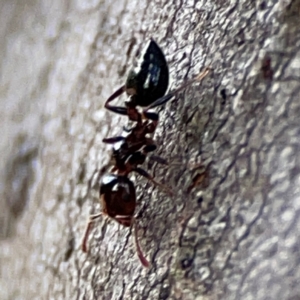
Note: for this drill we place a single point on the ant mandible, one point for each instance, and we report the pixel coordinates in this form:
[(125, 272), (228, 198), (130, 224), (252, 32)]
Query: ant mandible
[(145, 85)]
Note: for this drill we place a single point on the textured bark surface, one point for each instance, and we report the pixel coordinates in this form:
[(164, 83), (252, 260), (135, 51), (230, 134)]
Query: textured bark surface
[(235, 235)]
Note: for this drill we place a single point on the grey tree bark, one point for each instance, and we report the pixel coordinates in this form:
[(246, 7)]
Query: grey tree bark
[(232, 229)]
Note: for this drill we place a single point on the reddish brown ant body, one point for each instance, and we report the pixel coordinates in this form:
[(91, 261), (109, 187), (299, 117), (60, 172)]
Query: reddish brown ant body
[(146, 86)]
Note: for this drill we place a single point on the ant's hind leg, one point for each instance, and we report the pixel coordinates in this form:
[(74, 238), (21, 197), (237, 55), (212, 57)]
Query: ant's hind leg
[(116, 109), (170, 95), (160, 101), (115, 95), (145, 174)]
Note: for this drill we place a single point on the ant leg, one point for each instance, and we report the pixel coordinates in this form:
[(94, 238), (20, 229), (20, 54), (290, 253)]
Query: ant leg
[(166, 98), (139, 251), (126, 129), (161, 101), (115, 95), (116, 109), (137, 158), (88, 228), (150, 116), (113, 140), (145, 174), (128, 220), (149, 148)]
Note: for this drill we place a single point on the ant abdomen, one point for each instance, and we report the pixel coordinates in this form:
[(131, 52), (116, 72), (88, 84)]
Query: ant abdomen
[(149, 80)]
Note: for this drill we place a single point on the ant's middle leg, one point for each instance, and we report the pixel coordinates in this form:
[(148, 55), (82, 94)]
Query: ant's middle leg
[(150, 147)]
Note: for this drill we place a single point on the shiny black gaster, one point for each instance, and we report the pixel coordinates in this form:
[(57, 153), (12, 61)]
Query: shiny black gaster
[(145, 84), (150, 78)]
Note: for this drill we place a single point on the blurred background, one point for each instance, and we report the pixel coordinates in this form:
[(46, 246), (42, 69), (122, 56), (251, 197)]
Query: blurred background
[(46, 63)]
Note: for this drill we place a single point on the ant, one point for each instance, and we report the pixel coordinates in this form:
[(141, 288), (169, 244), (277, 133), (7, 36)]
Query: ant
[(146, 86)]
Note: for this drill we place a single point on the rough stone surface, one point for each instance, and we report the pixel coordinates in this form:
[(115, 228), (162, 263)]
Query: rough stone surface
[(236, 135)]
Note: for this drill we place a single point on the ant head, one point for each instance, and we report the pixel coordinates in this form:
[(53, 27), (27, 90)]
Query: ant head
[(117, 194)]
